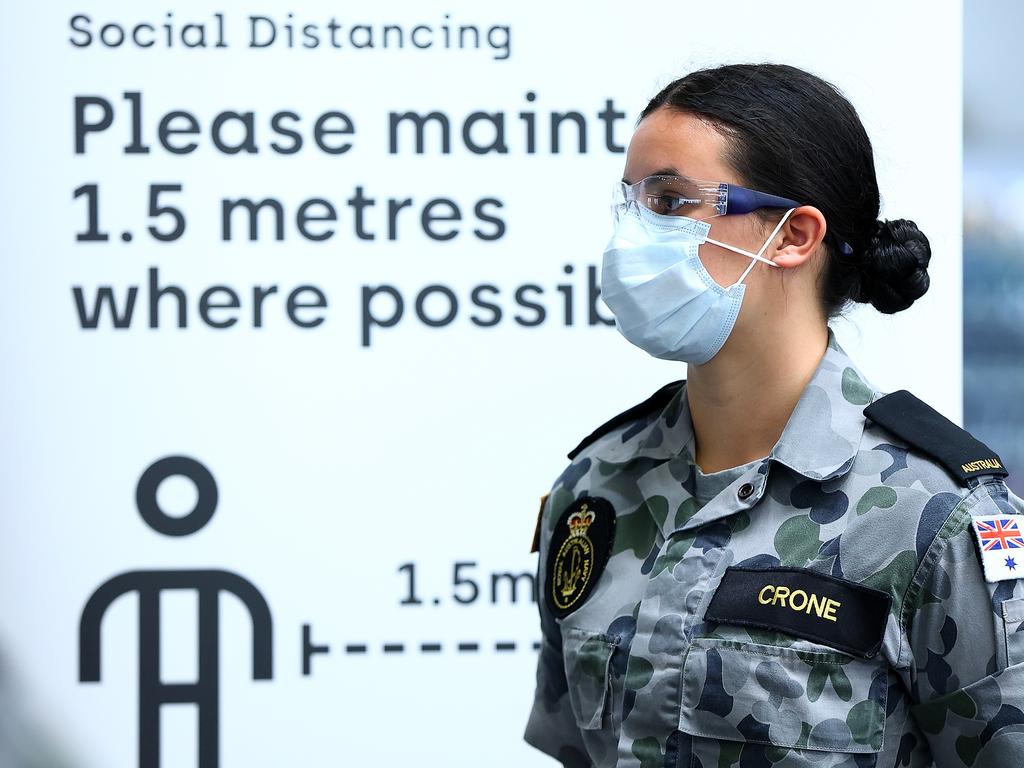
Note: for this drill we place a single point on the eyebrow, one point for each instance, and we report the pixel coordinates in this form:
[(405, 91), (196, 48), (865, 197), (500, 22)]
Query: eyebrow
[(666, 171)]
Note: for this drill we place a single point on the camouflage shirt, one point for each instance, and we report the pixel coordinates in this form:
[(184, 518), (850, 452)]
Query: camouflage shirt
[(862, 533)]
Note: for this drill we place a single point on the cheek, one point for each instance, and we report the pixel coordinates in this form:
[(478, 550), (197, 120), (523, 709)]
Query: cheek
[(723, 265)]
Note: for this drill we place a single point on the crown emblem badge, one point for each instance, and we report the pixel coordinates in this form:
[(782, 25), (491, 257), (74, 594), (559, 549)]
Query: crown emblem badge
[(580, 521), (581, 542)]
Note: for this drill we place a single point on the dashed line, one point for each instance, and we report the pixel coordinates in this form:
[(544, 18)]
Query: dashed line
[(465, 646)]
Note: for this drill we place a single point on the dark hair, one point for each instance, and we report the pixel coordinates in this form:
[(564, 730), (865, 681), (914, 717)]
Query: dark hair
[(791, 133)]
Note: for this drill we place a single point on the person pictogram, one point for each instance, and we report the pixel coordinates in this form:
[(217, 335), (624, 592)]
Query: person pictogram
[(208, 584)]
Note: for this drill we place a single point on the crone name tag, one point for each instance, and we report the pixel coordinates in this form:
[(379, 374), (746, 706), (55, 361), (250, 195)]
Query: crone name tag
[(815, 606)]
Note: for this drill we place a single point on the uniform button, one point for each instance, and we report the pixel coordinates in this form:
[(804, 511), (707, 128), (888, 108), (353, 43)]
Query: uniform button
[(745, 490)]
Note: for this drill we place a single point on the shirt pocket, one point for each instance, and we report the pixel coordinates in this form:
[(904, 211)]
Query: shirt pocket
[(587, 656), (790, 704), (1013, 631)]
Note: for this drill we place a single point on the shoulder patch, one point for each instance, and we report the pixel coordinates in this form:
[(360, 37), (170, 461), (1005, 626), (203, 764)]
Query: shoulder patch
[(1000, 540), (914, 421), (580, 547), (658, 400)]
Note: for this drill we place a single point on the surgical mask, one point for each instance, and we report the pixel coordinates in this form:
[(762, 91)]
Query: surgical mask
[(663, 299)]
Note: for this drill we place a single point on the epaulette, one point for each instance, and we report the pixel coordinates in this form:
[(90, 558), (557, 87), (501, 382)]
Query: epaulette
[(658, 400), (917, 423)]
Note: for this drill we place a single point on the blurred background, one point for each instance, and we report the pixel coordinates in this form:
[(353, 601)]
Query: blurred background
[(994, 231)]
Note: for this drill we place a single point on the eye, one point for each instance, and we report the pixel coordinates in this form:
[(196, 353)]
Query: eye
[(669, 204)]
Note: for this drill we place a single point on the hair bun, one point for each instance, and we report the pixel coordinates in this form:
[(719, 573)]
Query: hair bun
[(894, 268)]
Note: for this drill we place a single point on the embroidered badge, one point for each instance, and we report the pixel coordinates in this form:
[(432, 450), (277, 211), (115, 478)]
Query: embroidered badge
[(1001, 542), (578, 552)]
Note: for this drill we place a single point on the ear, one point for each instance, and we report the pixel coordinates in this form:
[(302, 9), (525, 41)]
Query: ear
[(799, 237)]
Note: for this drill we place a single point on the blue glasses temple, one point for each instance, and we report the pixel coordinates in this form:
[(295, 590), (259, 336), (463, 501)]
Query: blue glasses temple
[(743, 200)]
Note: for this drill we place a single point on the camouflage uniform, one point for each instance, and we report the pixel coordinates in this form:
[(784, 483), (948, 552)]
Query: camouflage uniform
[(636, 675)]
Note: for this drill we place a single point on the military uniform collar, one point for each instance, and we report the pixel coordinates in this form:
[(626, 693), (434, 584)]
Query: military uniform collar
[(821, 438)]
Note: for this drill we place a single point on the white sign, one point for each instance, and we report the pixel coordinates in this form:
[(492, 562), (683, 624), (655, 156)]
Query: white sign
[(300, 320)]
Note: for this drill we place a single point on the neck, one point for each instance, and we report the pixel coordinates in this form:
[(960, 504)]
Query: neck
[(741, 399)]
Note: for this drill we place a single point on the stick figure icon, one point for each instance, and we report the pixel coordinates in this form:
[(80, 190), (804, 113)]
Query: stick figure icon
[(208, 584)]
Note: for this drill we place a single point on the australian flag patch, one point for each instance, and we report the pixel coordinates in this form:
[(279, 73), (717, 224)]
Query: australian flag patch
[(1001, 542)]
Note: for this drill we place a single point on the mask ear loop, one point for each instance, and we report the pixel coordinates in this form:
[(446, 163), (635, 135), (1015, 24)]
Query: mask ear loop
[(763, 248)]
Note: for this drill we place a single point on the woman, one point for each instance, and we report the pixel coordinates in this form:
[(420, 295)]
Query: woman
[(772, 562)]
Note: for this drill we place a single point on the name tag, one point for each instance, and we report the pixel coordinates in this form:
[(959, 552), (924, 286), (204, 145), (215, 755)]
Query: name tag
[(815, 606)]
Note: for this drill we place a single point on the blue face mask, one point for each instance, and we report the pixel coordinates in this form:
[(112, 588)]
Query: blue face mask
[(663, 299)]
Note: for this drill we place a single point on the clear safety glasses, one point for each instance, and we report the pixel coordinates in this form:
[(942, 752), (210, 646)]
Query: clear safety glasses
[(696, 199)]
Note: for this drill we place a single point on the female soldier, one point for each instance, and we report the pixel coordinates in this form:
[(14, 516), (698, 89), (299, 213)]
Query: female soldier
[(772, 562)]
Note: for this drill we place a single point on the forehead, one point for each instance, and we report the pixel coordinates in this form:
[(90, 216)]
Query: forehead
[(670, 139)]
